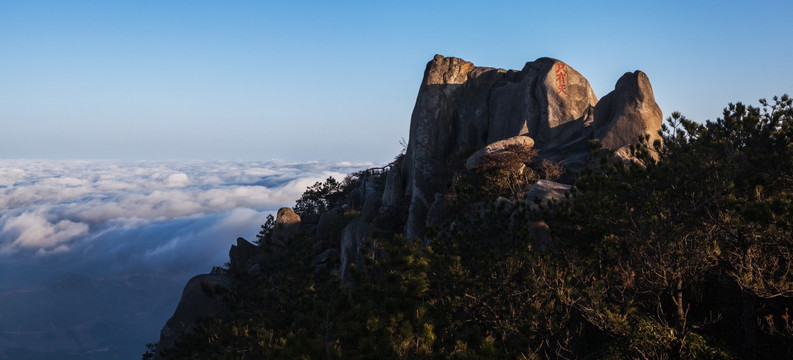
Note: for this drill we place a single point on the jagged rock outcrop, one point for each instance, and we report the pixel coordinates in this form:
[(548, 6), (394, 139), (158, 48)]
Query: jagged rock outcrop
[(201, 298), (242, 253), (461, 108)]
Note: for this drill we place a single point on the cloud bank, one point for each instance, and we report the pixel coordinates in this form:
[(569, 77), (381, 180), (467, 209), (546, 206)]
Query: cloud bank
[(110, 217)]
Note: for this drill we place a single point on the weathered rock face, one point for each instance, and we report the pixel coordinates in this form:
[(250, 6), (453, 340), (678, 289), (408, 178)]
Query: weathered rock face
[(394, 192), (287, 223), (327, 223), (431, 129), (565, 102), (627, 112), (461, 108), (439, 210), (371, 204), (352, 238)]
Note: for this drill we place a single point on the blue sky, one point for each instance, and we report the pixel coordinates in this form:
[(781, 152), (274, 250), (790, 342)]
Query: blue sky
[(337, 80)]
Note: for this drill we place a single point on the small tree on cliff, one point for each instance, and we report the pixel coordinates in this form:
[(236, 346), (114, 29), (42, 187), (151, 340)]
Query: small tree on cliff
[(323, 196), (265, 235)]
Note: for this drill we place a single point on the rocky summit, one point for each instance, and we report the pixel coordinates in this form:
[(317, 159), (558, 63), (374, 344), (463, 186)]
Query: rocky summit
[(462, 108), (463, 115)]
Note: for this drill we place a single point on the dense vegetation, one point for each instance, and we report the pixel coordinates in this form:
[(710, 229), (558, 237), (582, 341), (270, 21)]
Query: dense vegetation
[(684, 252)]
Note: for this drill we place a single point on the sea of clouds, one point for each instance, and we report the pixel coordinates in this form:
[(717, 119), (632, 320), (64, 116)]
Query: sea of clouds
[(114, 219), (111, 216)]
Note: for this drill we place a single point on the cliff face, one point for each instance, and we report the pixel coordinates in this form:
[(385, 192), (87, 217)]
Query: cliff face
[(461, 108)]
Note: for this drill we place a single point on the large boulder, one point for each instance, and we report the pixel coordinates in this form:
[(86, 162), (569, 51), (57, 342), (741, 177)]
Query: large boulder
[(287, 224), (627, 112), (566, 102), (547, 100), (524, 143), (544, 191)]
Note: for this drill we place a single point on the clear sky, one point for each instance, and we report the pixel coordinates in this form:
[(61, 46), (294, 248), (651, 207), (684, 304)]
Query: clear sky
[(337, 80)]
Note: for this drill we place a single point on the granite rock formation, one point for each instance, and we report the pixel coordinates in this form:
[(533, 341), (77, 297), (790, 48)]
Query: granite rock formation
[(462, 108), (627, 111), (287, 223)]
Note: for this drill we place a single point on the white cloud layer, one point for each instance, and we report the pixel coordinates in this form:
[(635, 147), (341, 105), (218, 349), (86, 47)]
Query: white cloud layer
[(55, 215), (32, 230)]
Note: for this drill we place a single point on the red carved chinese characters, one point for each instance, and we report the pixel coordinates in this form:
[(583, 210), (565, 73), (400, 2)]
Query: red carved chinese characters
[(561, 79)]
